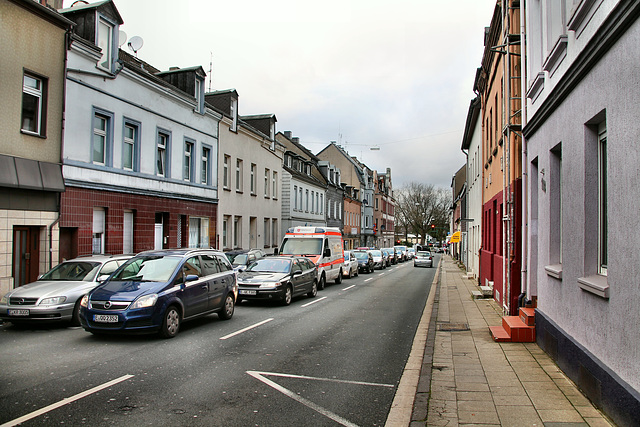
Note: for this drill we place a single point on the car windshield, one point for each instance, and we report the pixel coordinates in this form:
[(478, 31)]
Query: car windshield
[(148, 269), (271, 265), (422, 254), (302, 246), (237, 259), (361, 255), (77, 271), (376, 253)]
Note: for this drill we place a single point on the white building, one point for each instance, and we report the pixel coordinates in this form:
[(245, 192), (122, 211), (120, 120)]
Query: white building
[(250, 165), (582, 158)]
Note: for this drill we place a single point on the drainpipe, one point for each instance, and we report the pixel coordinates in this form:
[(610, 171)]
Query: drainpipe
[(53, 224), (525, 175)]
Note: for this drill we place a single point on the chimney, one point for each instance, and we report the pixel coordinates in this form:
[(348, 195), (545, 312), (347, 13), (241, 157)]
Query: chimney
[(296, 140), (287, 134), (55, 4)]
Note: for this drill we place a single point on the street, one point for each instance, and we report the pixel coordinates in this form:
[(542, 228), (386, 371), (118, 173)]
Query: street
[(331, 360)]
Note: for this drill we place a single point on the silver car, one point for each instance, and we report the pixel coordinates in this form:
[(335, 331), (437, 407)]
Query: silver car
[(55, 296), (423, 259), (350, 265)]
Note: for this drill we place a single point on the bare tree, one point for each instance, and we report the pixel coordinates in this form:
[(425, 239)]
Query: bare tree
[(423, 209)]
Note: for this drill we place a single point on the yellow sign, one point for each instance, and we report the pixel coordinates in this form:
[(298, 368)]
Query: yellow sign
[(455, 237)]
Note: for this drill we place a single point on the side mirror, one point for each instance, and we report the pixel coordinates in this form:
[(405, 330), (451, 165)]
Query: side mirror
[(191, 278), (103, 277), (296, 273), (275, 251), (327, 253)]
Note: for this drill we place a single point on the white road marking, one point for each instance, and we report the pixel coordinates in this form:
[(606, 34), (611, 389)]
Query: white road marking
[(246, 329), (349, 287), (337, 418), (65, 401), (370, 278), (313, 302)]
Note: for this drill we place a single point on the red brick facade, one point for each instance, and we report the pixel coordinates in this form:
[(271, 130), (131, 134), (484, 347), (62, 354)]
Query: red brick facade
[(76, 220)]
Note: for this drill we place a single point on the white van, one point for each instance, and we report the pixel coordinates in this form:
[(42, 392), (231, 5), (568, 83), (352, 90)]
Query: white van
[(323, 245)]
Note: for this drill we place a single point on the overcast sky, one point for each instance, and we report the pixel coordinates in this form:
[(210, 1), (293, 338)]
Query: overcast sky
[(394, 75)]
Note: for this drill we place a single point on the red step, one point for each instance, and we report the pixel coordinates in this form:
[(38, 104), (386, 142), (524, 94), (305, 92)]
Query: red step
[(518, 330), (499, 334), (528, 316)]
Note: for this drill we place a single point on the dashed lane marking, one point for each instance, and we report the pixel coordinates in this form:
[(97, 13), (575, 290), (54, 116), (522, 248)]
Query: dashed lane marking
[(246, 329)]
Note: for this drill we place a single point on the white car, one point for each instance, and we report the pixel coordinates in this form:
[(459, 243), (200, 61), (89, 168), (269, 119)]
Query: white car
[(350, 265)]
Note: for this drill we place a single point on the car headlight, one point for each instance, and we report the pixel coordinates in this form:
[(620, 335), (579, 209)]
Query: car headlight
[(53, 301), (269, 285), (4, 299), (84, 301), (145, 301)]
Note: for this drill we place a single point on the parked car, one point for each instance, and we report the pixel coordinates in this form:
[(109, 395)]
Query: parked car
[(350, 265), (156, 291), (423, 259), (378, 259), (411, 253), (393, 255), (279, 278), (365, 261), (242, 258), (55, 296)]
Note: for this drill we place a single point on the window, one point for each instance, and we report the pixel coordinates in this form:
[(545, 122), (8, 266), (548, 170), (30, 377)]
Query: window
[(33, 104), (602, 200), (187, 173), (274, 232), (198, 232), (162, 158), (225, 231), (130, 147), (205, 164), (98, 229), (321, 204), (267, 231), (237, 230), (274, 182), (238, 175), (234, 115), (266, 183), (105, 42), (127, 232), (101, 138), (295, 197), (306, 204), (225, 172), (253, 178), (199, 91), (555, 201)]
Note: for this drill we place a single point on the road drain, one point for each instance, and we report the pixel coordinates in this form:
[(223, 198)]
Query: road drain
[(453, 327)]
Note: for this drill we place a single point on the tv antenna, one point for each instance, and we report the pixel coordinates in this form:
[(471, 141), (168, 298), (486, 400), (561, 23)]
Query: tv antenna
[(210, 69), (135, 44)]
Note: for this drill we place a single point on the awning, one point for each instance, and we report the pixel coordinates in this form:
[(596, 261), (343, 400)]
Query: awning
[(16, 172), (455, 237)]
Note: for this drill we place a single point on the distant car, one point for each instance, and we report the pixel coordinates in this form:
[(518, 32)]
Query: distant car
[(156, 291), (365, 260), (393, 254), (350, 265), (402, 250), (411, 252), (242, 258), (423, 259), (279, 278), (378, 259), (55, 296), (386, 256)]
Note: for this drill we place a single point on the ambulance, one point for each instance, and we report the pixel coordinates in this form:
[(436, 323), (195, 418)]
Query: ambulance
[(322, 245)]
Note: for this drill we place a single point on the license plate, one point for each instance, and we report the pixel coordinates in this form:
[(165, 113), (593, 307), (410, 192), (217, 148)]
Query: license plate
[(18, 312), (242, 292), (105, 318)]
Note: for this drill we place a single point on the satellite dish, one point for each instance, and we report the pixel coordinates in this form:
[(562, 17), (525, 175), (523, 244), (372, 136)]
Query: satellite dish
[(122, 37), (79, 3), (135, 43)]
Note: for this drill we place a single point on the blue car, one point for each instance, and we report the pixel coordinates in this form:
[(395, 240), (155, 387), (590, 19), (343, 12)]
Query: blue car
[(156, 291)]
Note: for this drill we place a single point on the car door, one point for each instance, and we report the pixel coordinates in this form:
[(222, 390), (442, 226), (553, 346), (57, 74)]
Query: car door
[(215, 279), (307, 274), (195, 292)]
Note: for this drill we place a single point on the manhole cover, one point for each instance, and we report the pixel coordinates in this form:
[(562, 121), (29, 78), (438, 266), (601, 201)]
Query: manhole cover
[(453, 327)]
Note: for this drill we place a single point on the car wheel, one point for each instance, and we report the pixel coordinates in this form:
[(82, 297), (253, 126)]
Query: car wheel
[(288, 295), (75, 317), (314, 290), (170, 322), (357, 272), (339, 278), (321, 282), (227, 310)]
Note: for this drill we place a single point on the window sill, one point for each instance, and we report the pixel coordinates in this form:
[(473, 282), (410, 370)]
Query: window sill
[(595, 284), (554, 271), (557, 54), (35, 134)]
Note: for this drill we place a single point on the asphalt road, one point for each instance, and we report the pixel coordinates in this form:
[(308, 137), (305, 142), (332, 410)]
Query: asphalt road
[(331, 360)]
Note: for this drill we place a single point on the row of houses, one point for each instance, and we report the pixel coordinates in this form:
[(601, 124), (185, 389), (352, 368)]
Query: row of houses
[(547, 201), (100, 152)]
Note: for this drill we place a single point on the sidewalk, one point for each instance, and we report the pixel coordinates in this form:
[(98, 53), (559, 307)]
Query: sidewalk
[(472, 380)]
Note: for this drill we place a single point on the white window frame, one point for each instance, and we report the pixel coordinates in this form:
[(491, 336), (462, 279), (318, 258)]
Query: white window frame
[(226, 172), (239, 167), (602, 200), (253, 179), (106, 60), (205, 165), (163, 145), (266, 182), (274, 190), (36, 91), (188, 166), (131, 141)]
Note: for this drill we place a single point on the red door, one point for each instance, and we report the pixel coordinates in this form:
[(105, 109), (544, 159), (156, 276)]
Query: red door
[(26, 252)]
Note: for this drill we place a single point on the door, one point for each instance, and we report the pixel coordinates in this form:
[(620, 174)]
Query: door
[(26, 251), (196, 292), (127, 233), (217, 280), (253, 232)]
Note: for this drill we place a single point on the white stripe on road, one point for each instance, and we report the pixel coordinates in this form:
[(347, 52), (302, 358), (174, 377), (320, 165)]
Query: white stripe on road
[(349, 287), (370, 278), (246, 329), (313, 302), (65, 401)]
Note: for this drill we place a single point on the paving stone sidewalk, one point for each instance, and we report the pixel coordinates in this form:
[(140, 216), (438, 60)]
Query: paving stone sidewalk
[(472, 380)]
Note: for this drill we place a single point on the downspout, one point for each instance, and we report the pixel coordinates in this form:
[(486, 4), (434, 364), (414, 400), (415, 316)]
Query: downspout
[(525, 175)]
